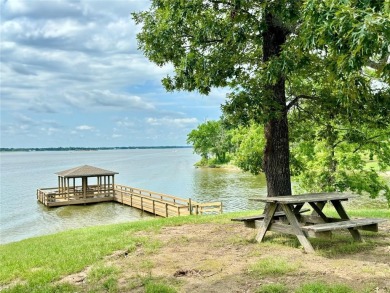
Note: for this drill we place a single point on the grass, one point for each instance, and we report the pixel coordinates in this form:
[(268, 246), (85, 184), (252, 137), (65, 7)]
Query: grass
[(36, 264), (361, 212), (320, 287), (312, 287), (273, 266), (273, 288), (158, 287), (103, 278), (45, 259)]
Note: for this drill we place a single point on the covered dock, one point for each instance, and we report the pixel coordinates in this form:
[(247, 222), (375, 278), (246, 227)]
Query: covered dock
[(87, 184)]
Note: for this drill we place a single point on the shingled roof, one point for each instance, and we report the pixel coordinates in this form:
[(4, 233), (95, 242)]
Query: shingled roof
[(85, 171)]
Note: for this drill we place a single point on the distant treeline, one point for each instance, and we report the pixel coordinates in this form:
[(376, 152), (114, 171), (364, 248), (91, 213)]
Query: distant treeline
[(88, 148)]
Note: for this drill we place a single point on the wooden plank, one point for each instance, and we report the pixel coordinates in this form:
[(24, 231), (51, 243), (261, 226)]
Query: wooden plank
[(355, 223), (302, 198), (260, 217), (297, 229), (314, 219), (78, 202), (343, 215), (269, 214), (323, 234), (282, 228)]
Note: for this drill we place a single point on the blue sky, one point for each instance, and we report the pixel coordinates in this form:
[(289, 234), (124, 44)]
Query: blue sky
[(71, 75)]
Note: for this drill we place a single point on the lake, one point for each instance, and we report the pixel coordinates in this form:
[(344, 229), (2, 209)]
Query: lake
[(169, 171)]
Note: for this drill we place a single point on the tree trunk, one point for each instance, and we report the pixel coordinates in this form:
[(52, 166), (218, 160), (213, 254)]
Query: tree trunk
[(276, 153)]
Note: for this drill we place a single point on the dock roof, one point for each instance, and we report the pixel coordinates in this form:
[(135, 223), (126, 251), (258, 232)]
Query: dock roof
[(85, 171)]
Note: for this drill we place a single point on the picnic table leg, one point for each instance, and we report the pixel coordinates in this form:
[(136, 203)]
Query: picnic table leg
[(343, 215), (297, 229), (318, 209), (269, 212)]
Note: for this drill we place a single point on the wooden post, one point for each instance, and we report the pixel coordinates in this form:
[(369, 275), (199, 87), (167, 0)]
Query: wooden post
[(190, 206), (59, 184), (113, 185), (166, 210), (74, 187), (221, 208), (154, 207), (142, 204), (109, 186), (67, 179)]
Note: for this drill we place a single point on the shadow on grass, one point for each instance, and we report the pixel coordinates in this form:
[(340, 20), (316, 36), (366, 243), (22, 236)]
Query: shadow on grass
[(340, 244)]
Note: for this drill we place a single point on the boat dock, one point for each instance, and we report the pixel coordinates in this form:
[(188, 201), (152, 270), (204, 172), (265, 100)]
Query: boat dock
[(69, 192), (158, 204)]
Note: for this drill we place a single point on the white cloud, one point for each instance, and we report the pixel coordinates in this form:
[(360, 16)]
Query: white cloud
[(84, 127), (125, 122), (180, 122), (106, 98)]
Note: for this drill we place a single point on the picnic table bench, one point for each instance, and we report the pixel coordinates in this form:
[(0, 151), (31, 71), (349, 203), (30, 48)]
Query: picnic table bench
[(255, 221), (290, 219)]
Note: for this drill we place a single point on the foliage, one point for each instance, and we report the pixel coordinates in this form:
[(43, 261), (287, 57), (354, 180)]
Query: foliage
[(249, 142), (210, 139), (354, 33), (330, 153)]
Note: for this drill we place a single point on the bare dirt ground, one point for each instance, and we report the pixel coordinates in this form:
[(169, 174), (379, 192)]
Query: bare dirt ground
[(219, 258)]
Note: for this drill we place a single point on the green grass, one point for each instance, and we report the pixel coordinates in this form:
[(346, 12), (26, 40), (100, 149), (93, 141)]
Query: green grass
[(36, 263), (360, 213), (45, 259), (320, 287), (103, 278), (273, 288), (273, 267), (153, 286)]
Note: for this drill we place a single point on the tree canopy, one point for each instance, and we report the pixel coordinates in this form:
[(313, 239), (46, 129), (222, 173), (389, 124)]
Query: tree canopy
[(280, 59)]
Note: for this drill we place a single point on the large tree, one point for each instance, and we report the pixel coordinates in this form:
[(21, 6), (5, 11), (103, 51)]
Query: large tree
[(255, 48)]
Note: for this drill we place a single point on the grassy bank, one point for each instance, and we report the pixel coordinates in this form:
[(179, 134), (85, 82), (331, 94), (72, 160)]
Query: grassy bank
[(38, 264)]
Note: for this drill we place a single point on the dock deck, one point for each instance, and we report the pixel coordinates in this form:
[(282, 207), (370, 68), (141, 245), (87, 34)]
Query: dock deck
[(152, 202)]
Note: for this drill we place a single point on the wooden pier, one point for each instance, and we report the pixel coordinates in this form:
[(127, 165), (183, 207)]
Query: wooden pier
[(158, 204), (69, 192)]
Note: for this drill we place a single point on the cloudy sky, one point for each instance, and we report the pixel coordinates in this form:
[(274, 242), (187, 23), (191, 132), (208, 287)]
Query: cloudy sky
[(71, 75)]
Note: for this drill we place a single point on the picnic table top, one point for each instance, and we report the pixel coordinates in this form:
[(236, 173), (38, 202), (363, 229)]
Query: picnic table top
[(302, 198)]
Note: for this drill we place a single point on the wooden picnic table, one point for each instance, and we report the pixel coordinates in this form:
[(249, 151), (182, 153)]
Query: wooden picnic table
[(290, 219)]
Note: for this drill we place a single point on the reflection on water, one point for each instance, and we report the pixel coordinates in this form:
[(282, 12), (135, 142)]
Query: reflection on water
[(232, 187), (167, 171)]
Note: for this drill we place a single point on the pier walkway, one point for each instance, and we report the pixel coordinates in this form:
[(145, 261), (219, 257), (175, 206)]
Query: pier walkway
[(158, 204)]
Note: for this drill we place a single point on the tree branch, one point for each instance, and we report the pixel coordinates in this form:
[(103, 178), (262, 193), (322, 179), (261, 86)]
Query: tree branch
[(297, 98)]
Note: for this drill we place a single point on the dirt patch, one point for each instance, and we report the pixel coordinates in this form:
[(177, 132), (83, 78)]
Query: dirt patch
[(219, 258)]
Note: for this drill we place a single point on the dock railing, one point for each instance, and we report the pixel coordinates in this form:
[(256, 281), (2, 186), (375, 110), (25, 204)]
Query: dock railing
[(163, 204)]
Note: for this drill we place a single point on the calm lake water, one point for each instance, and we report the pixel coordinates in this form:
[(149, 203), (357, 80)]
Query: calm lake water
[(169, 171)]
